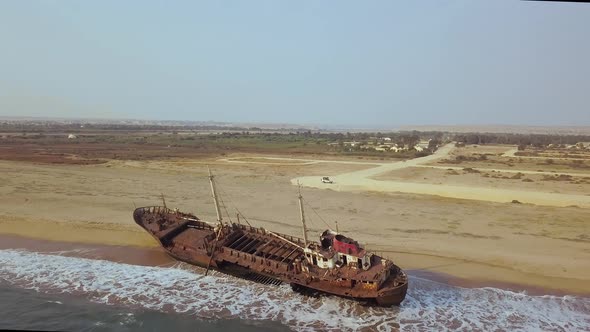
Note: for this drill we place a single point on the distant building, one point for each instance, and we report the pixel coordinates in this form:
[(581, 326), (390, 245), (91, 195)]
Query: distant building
[(72, 136), (396, 149), (353, 143), (418, 148), (423, 145)]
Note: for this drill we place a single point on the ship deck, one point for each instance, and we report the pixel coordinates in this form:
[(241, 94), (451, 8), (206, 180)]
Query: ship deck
[(264, 244), (191, 238), (258, 245)]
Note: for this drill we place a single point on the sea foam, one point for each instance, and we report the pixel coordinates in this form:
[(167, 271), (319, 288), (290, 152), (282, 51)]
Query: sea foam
[(185, 289)]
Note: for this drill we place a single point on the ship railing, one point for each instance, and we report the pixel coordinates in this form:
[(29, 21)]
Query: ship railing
[(154, 209), (164, 210)]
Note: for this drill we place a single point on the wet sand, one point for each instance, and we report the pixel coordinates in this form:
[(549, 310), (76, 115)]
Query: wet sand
[(120, 254), (157, 257)]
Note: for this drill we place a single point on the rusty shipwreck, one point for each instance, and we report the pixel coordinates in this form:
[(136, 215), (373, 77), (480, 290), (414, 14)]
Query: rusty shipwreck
[(335, 265)]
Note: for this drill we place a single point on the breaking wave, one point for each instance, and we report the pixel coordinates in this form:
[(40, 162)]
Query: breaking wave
[(184, 289)]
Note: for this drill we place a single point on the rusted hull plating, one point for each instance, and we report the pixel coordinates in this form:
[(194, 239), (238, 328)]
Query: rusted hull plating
[(264, 256)]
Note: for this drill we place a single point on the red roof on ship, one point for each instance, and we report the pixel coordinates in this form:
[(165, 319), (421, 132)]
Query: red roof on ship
[(348, 246)]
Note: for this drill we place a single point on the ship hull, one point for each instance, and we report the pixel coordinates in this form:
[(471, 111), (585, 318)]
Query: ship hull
[(262, 256), (228, 268), (200, 260), (392, 297)]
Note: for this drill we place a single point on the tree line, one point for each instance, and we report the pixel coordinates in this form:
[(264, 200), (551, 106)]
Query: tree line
[(537, 140)]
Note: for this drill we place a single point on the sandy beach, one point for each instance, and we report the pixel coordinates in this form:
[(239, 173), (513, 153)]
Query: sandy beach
[(484, 241)]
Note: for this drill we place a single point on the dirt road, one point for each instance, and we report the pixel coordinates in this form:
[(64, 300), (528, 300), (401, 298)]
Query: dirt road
[(292, 161), (362, 181), (505, 170), (512, 154)]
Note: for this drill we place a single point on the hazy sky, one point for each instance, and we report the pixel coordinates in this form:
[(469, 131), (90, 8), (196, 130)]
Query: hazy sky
[(360, 63)]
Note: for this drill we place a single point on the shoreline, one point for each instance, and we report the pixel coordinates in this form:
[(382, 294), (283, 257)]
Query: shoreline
[(450, 270), (154, 256)]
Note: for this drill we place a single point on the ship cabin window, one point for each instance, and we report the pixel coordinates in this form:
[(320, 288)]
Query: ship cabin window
[(344, 260), (359, 263), (325, 259), (315, 260)]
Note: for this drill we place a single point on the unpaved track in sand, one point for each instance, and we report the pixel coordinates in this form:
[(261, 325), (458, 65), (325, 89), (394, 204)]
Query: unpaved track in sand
[(293, 161), (512, 154), (362, 181), (504, 170)]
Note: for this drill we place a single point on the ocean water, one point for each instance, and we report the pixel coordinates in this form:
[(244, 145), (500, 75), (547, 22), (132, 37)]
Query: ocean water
[(59, 292), (23, 309)]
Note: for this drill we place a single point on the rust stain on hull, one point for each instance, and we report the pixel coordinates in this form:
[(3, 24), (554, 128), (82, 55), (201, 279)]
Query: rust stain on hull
[(336, 265)]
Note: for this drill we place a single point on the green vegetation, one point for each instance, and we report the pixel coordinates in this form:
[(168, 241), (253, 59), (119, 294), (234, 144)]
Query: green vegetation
[(522, 140), (208, 141)]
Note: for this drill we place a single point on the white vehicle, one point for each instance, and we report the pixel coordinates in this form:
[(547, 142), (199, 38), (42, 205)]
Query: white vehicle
[(326, 179)]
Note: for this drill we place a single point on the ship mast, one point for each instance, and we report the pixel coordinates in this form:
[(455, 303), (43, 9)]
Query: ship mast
[(219, 219), (302, 217), (214, 194)]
